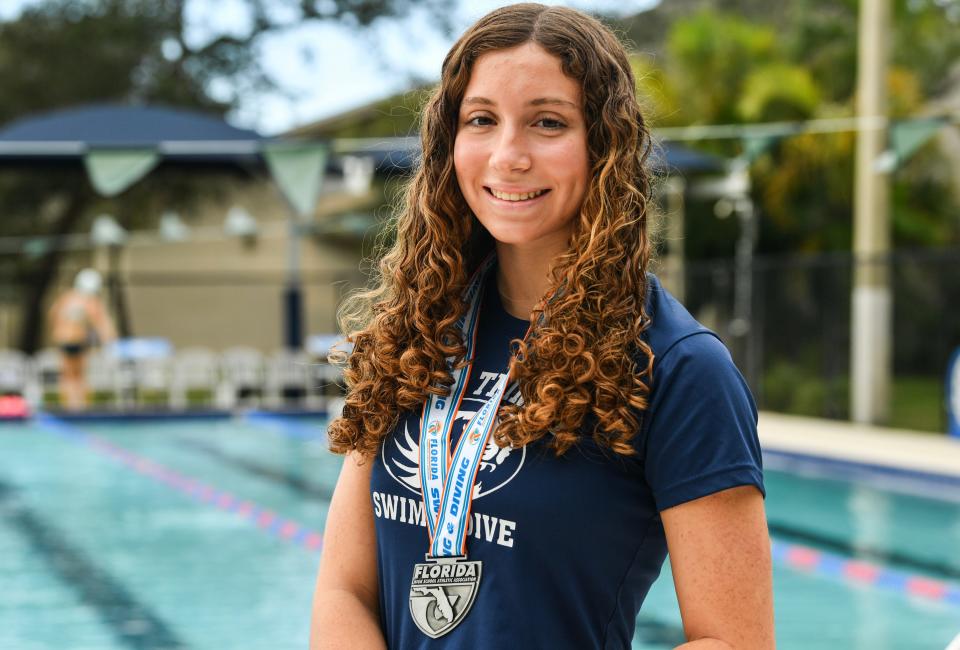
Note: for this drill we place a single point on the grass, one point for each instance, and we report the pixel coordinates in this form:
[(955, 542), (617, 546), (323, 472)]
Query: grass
[(917, 402)]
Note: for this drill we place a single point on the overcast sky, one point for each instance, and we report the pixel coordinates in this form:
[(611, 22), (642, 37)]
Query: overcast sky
[(328, 68)]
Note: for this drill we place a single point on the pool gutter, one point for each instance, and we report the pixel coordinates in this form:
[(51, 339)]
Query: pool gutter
[(898, 452)]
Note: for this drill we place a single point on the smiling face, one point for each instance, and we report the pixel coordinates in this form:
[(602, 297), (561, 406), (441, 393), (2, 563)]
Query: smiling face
[(521, 148)]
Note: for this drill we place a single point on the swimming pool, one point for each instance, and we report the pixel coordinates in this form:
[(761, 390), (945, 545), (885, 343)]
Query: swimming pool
[(206, 534)]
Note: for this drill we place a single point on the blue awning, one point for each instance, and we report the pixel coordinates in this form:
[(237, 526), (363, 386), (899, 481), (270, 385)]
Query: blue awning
[(171, 132)]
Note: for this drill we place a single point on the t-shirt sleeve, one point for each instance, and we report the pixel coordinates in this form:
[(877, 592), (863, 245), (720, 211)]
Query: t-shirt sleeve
[(701, 424)]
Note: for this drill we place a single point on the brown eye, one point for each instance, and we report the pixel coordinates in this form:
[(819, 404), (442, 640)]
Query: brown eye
[(474, 121), (551, 124)]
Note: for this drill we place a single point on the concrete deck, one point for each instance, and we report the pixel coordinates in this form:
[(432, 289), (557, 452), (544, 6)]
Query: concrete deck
[(896, 448)]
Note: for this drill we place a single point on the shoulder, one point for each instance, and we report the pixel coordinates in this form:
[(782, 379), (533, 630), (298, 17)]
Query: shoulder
[(699, 431)]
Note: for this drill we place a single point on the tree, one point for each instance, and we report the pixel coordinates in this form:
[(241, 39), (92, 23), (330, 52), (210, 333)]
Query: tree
[(67, 52), (755, 66)]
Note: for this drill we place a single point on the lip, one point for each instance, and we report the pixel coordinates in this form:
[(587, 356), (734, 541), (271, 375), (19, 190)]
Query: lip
[(514, 204), (514, 189)]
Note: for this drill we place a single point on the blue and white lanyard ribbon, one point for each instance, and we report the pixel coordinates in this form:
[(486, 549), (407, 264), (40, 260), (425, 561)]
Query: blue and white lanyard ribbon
[(447, 483)]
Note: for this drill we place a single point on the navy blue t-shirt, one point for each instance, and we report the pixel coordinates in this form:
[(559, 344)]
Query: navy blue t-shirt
[(570, 545)]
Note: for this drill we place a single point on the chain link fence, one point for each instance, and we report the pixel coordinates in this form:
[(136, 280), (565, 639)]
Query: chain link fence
[(786, 320)]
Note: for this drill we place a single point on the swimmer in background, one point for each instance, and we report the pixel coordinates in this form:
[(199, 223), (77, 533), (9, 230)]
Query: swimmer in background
[(74, 316)]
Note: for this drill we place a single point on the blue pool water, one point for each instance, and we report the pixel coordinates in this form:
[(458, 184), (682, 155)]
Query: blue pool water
[(206, 534)]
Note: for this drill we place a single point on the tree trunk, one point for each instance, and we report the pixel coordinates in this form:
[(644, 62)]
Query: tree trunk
[(41, 276)]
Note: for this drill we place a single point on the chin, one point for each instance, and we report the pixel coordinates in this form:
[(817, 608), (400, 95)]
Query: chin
[(512, 234), (542, 243)]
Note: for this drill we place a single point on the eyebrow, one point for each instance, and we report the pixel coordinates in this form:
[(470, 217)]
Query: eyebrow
[(540, 101)]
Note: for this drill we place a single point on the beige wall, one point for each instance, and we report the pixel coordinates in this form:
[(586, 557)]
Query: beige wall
[(217, 291), (222, 294), (226, 293)]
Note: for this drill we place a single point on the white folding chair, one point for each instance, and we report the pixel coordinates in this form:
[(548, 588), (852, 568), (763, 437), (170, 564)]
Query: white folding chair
[(195, 377), (46, 374), (289, 378), (14, 372), (106, 377), (243, 374), (153, 381)]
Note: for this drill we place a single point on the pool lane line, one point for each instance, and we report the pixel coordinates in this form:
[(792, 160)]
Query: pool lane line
[(264, 519), (646, 629), (866, 553), (859, 572), (295, 483), (130, 621), (799, 556), (796, 556)]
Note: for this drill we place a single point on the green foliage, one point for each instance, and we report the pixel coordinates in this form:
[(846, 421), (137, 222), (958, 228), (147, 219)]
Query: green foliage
[(153, 398), (658, 96), (778, 91), (791, 388), (709, 57), (806, 194), (102, 399), (918, 404), (916, 401), (394, 116), (926, 40), (199, 397), (121, 42), (742, 64), (822, 36)]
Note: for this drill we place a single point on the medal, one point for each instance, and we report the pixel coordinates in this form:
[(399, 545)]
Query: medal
[(445, 585), (442, 591)]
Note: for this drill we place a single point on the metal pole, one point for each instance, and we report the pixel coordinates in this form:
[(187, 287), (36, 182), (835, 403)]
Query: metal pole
[(293, 293), (118, 300), (871, 322), (675, 279), (742, 325)]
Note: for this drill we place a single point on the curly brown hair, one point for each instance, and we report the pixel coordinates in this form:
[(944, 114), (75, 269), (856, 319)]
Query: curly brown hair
[(583, 365)]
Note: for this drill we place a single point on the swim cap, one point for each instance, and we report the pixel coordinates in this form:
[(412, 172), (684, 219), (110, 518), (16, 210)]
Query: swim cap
[(88, 281)]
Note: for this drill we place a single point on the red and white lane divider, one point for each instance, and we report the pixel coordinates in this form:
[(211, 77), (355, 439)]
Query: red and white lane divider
[(811, 560), (262, 518)]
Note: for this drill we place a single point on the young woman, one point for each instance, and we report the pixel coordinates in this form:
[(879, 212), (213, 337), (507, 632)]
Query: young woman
[(481, 509)]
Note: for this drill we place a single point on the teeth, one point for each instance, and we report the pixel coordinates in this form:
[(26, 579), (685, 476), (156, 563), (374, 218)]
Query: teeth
[(507, 196)]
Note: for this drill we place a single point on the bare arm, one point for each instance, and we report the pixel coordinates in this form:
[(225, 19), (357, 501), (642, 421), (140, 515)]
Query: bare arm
[(101, 321), (720, 554), (53, 314), (346, 610)]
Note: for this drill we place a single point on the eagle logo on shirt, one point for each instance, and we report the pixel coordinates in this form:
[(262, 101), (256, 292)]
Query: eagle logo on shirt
[(401, 455)]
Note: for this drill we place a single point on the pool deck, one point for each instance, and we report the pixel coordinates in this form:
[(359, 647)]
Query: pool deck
[(895, 448)]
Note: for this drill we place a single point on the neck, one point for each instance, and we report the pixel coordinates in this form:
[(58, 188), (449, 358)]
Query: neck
[(523, 277)]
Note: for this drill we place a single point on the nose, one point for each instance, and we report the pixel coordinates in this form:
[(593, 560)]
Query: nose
[(510, 151)]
